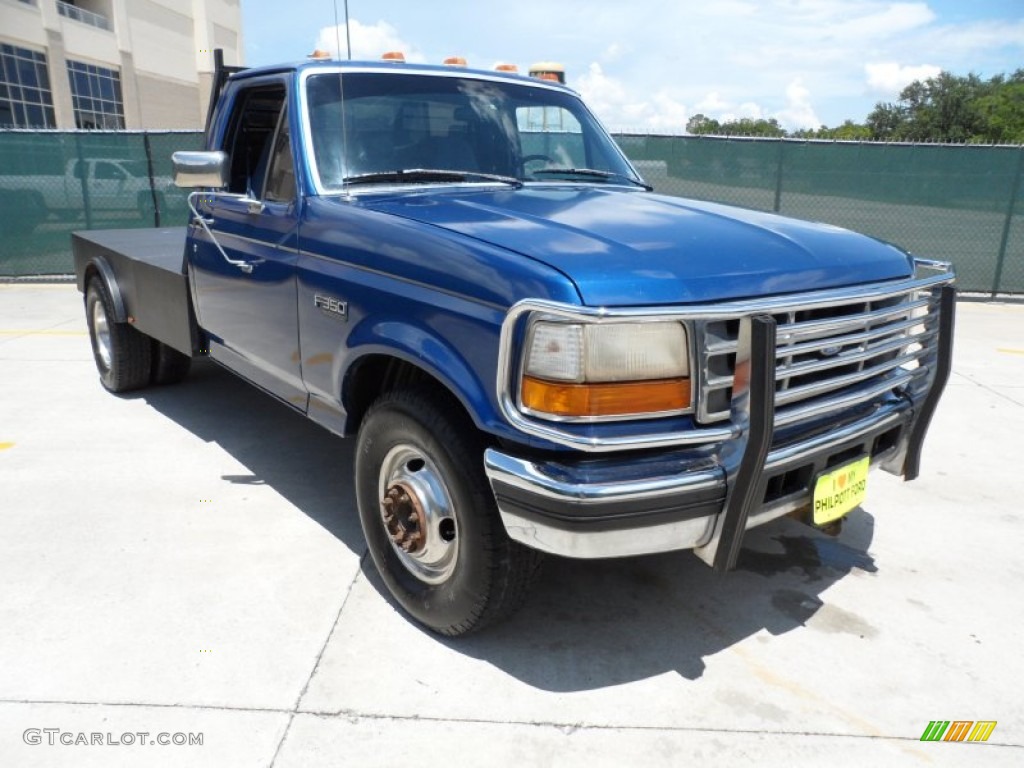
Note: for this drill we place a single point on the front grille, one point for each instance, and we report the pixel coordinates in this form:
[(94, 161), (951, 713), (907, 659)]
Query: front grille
[(828, 358)]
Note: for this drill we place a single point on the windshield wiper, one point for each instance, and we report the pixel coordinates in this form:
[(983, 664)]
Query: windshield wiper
[(593, 172), (428, 174)]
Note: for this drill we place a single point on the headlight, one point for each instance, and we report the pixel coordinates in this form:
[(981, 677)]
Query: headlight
[(606, 370)]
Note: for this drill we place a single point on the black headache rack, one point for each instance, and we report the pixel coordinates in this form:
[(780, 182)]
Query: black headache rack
[(221, 73), (746, 491)]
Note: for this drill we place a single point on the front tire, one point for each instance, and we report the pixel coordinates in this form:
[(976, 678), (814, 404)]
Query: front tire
[(123, 354), (429, 517)]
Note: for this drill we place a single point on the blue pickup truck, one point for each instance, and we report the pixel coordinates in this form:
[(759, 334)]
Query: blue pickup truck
[(535, 352)]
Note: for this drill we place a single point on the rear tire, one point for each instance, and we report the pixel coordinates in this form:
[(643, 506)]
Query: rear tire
[(438, 542), (123, 354)]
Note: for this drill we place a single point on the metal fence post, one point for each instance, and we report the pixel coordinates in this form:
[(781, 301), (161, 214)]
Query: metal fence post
[(83, 169), (152, 183), (1004, 240), (778, 179)]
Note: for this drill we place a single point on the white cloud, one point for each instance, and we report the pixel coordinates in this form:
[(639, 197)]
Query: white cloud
[(612, 53), (369, 41), (614, 105), (604, 94), (881, 20), (723, 110), (713, 103), (888, 78), (798, 112)]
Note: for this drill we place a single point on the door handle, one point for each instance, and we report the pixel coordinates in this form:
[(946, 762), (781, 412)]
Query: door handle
[(249, 266)]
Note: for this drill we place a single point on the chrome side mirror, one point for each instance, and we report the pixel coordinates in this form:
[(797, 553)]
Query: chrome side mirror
[(200, 169)]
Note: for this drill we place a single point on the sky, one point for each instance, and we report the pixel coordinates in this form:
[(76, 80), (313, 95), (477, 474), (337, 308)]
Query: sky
[(651, 65)]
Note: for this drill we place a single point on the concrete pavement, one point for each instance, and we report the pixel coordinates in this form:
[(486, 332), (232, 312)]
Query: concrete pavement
[(188, 560)]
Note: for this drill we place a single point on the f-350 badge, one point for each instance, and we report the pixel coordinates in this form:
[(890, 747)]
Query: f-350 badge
[(332, 305)]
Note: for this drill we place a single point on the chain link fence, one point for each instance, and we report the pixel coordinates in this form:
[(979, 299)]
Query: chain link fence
[(964, 203), (959, 203), (55, 182)]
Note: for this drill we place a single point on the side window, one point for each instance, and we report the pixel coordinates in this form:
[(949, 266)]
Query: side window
[(108, 172), (281, 179), (250, 138)]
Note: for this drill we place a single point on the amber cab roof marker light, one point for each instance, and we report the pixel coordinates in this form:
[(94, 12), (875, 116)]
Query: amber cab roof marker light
[(506, 68), (548, 70), (319, 54), (455, 61), (395, 56)]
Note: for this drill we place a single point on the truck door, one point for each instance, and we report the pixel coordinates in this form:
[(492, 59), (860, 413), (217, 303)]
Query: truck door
[(250, 311)]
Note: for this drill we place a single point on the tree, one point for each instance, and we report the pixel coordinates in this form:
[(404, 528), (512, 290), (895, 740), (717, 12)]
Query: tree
[(848, 131), (886, 122), (954, 108), (1003, 110), (702, 124)]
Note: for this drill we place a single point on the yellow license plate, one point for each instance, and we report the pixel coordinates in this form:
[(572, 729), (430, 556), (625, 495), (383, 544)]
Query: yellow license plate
[(839, 491)]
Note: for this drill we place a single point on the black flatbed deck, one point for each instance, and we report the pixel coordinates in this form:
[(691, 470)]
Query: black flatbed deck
[(148, 274)]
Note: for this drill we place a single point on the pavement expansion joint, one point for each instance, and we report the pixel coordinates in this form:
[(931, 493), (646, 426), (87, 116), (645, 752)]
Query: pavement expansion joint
[(319, 657), (987, 388)]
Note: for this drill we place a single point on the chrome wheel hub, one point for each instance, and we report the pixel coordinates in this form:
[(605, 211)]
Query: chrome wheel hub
[(101, 333), (418, 515)]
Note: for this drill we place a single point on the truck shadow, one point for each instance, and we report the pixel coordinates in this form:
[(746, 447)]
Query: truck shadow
[(593, 624), (279, 447), (587, 624)]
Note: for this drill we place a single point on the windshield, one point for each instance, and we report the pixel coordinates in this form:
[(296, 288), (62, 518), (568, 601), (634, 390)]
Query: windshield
[(396, 122)]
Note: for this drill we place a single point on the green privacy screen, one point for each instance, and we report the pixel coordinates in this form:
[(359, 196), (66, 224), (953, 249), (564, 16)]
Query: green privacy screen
[(54, 182), (957, 203)]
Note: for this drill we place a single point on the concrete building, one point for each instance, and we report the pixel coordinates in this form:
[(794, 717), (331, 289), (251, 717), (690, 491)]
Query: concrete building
[(112, 63)]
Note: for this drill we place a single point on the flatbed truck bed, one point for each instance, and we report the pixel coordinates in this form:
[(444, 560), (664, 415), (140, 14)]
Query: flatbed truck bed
[(146, 269)]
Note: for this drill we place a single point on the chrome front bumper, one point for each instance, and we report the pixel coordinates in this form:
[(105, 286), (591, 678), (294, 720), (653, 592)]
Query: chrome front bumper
[(704, 499)]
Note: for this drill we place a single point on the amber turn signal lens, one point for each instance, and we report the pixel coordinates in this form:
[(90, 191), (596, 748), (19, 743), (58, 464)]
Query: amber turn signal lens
[(607, 399)]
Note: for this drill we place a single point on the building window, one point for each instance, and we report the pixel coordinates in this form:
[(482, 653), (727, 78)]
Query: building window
[(71, 11), (96, 96), (25, 99)]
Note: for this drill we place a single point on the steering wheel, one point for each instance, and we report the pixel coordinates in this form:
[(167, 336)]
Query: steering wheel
[(533, 158)]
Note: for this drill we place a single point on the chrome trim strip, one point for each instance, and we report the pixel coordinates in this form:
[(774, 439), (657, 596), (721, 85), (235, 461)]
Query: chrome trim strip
[(590, 545), (793, 414), (804, 347), (792, 333), (254, 241), (795, 370), (888, 416), (522, 473), (807, 391)]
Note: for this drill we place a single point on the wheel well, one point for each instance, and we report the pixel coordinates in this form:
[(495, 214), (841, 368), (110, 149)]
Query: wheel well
[(376, 374)]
